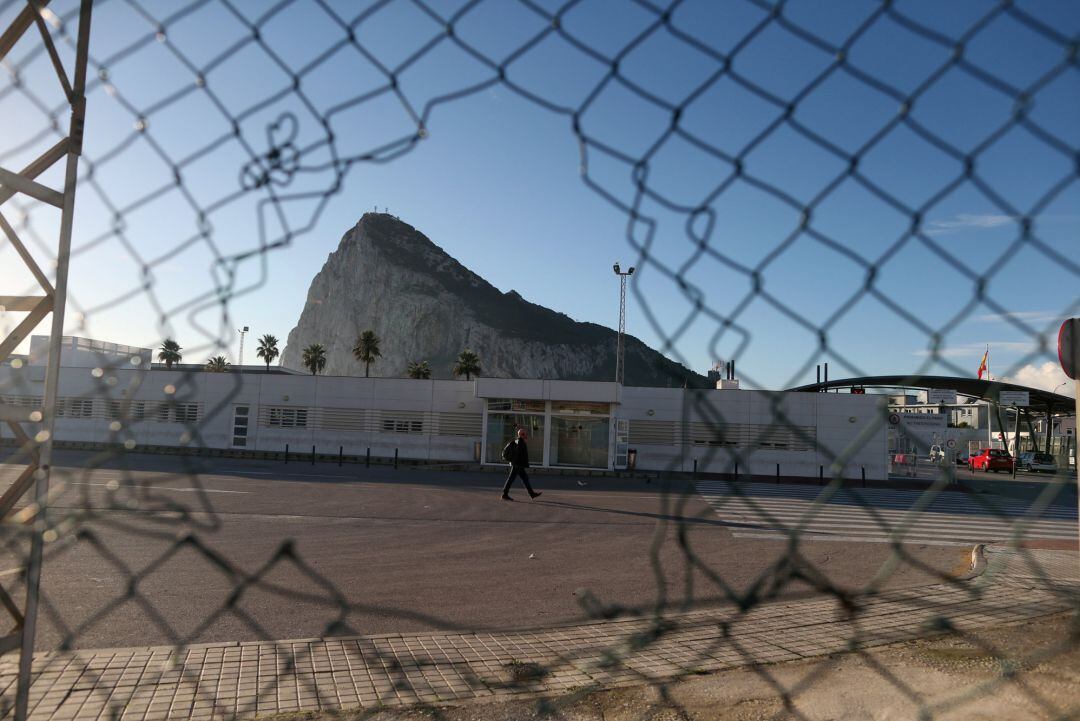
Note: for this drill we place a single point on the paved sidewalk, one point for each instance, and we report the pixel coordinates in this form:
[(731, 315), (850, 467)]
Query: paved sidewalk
[(243, 679)]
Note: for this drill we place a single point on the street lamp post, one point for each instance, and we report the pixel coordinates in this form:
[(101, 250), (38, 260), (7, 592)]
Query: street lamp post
[(620, 346), (242, 331)]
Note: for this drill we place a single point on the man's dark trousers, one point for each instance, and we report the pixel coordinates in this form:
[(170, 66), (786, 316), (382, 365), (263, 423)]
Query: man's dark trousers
[(516, 471)]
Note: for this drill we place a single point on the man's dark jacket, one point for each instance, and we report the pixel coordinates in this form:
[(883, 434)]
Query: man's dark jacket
[(519, 453)]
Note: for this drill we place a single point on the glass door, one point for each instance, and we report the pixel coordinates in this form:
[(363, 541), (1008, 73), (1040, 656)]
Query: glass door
[(503, 427), (579, 441)]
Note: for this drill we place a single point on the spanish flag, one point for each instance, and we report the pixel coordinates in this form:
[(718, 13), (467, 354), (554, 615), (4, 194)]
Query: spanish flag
[(984, 363)]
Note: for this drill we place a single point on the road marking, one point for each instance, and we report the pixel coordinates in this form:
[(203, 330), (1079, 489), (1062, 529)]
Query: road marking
[(117, 486), (852, 539), (11, 572), (878, 517), (772, 511)]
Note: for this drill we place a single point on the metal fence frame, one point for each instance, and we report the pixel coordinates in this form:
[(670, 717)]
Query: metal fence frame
[(39, 447)]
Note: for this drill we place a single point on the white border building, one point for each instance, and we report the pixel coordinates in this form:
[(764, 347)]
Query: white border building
[(572, 424)]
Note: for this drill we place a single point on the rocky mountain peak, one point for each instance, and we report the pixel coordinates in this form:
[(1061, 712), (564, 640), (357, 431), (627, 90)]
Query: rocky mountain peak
[(388, 276)]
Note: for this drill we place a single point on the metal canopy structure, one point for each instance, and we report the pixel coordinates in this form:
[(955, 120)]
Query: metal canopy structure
[(1041, 401), (33, 427)]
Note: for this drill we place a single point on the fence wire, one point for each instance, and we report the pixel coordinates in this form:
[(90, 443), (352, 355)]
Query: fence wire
[(200, 109)]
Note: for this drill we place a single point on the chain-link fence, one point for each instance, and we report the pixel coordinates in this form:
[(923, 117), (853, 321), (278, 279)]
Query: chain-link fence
[(846, 143)]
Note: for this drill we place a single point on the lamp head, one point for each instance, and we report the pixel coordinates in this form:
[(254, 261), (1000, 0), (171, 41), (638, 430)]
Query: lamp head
[(631, 271), (616, 269), (245, 329)]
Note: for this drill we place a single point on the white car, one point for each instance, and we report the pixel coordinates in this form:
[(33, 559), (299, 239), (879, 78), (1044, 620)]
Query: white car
[(936, 454), (1036, 462)]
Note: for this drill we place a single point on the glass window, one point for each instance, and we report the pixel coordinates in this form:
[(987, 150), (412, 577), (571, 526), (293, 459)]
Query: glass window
[(577, 441), (75, 408), (287, 417), (402, 425), (503, 427), (113, 409), (187, 412)]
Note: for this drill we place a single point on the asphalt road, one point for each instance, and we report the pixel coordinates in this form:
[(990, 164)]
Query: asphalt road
[(170, 552)]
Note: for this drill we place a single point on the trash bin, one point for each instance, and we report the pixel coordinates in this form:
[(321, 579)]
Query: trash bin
[(631, 458)]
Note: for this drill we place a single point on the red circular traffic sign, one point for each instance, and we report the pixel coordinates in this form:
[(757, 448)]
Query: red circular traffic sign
[(1069, 347)]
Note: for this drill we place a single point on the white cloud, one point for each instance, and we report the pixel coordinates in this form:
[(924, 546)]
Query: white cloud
[(965, 221), (1046, 376)]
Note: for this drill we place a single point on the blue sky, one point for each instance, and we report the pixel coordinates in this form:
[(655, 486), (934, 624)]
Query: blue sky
[(501, 183)]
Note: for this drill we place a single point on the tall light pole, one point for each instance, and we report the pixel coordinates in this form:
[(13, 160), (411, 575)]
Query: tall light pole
[(620, 348), (1050, 417), (242, 331)]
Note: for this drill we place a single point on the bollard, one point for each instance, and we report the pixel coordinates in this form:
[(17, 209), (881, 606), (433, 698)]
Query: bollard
[(340, 452), (821, 475), (695, 467), (736, 470), (777, 474), (367, 459), (395, 457), (286, 454), (863, 476), (313, 455)]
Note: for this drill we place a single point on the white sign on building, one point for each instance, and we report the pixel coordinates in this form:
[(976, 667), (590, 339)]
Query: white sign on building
[(1014, 398), (937, 396), (922, 429)]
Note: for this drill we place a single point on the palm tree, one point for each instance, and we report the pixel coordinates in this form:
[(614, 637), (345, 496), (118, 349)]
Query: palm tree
[(314, 357), (169, 353), (468, 364), (419, 370), (268, 350), (218, 364), (366, 349)]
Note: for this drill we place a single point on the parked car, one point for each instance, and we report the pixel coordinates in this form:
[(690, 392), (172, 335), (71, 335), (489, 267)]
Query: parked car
[(1036, 462), (936, 454), (991, 459), (962, 459)]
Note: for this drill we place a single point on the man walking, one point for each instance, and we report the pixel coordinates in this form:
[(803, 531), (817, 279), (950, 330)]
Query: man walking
[(516, 453)]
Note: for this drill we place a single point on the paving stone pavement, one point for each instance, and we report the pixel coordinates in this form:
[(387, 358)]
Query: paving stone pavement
[(240, 680)]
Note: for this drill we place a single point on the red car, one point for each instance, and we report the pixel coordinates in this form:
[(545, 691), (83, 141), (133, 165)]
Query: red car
[(991, 459)]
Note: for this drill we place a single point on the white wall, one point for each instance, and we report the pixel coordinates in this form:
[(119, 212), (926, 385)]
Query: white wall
[(218, 394), (820, 421), (841, 428)]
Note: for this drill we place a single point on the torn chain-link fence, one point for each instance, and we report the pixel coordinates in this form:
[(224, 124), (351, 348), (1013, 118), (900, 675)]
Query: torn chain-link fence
[(223, 130)]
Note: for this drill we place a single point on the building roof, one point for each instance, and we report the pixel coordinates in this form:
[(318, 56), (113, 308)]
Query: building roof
[(1041, 401)]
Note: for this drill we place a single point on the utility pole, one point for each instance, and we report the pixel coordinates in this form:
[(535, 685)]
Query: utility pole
[(620, 347), (1069, 355)]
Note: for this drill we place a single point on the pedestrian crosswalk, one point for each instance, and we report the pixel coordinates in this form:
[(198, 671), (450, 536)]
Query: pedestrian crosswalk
[(765, 510)]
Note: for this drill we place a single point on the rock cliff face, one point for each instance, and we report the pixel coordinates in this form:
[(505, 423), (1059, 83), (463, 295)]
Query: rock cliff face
[(424, 305)]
